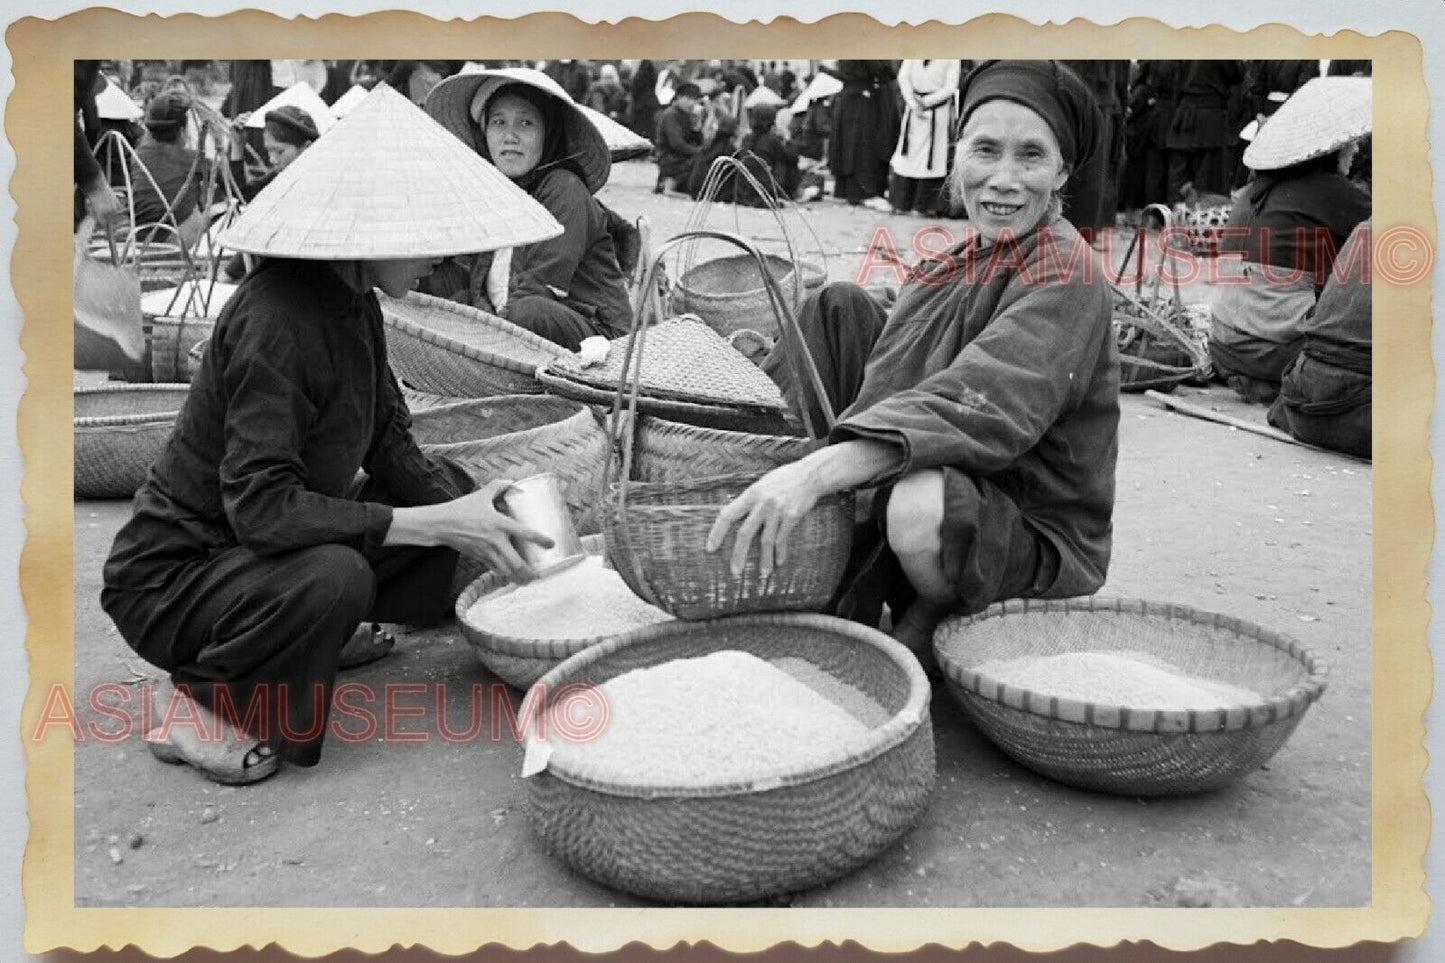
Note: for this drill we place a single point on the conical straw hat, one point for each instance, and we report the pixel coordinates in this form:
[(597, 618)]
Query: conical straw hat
[(302, 95), (622, 142), (353, 96), (388, 182), (112, 103), (450, 102), (1320, 118)]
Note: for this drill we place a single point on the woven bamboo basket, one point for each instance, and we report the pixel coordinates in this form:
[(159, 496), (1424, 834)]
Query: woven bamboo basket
[(514, 436), (120, 430), (1113, 748), (517, 660), (446, 348), (728, 292), (668, 451), (171, 342), (655, 537), (730, 843)]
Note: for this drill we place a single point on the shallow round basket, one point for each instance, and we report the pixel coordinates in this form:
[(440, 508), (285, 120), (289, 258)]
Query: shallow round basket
[(1112, 748), (729, 843), (728, 293), (446, 348), (120, 430), (656, 544), (517, 660), (515, 436), (666, 451)]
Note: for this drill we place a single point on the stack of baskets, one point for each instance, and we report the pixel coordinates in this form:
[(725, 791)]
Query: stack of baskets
[(120, 430)]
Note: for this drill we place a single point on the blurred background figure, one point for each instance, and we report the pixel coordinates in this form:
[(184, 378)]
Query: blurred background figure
[(865, 114), (1203, 137), (1091, 196), (607, 96), (921, 158)]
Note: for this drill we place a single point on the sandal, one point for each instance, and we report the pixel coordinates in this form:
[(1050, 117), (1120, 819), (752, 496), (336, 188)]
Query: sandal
[(367, 644), (230, 761)]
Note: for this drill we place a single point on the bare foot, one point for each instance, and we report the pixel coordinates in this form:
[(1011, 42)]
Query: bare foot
[(218, 750)]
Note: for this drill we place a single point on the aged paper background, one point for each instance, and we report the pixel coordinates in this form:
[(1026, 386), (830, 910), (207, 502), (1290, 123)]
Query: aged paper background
[(36, 122)]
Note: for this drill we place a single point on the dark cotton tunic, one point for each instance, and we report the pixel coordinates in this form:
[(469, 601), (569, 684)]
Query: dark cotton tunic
[(176, 170), (246, 563), (676, 141), (1008, 382)]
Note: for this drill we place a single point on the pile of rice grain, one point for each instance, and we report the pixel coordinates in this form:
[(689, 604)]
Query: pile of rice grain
[(724, 717), (1116, 679), (581, 601)]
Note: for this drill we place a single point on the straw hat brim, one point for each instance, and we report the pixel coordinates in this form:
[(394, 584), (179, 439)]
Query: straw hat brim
[(450, 103), (387, 182), (1321, 117)]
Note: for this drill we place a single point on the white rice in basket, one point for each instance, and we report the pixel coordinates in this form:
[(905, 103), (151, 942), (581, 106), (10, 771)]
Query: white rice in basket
[(581, 601), (724, 717), (1116, 679)]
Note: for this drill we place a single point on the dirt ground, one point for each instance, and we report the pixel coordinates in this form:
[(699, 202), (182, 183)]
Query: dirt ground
[(1208, 516)]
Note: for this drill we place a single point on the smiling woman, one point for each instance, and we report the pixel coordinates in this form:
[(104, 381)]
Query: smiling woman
[(985, 405)]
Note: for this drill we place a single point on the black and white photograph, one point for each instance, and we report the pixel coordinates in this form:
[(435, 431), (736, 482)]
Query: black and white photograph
[(809, 484)]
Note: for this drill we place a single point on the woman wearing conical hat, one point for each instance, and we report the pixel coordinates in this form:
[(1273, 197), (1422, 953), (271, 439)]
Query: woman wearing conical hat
[(1284, 230), (252, 557), (569, 287)]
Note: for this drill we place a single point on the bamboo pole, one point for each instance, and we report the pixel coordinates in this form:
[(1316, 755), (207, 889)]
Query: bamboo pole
[(1268, 431)]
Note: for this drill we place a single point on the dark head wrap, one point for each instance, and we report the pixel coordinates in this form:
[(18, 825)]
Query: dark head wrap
[(1049, 89), (167, 110), (762, 116), (291, 125)]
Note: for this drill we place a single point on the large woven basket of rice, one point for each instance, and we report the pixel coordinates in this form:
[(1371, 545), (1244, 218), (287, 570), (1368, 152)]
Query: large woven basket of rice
[(120, 430), (656, 532), (817, 810), (446, 348), (519, 656), (1266, 682)]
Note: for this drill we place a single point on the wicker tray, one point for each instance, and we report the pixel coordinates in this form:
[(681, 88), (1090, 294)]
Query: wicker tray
[(655, 538), (120, 430), (1113, 749), (519, 661), (712, 844), (446, 348)]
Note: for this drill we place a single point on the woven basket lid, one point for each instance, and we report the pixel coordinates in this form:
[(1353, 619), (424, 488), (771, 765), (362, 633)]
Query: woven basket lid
[(1321, 117), (450, 102), (297, 95), (112, 103), (388, 182), (682, 358), (622, 142), (353, 96)]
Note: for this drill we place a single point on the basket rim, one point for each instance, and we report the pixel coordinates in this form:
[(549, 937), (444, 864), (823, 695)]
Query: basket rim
[(658, 423), (1293, 702), (180, 389), (438, 340), (568, 421), (810, 268), (885, 737), (517, 645)]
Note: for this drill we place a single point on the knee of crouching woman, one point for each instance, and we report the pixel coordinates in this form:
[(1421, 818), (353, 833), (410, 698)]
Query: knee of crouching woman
[(915, 513)]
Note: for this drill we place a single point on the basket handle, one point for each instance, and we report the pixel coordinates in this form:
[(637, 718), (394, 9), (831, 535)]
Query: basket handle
[(622, 428)]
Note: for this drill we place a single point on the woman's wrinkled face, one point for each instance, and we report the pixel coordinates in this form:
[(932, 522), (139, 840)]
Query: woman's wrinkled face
[(1009, 168), (280, 153), (400, 276), (515, 133)]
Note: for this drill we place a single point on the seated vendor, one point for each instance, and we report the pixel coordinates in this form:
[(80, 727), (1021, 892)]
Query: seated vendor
[(253, 555), (1326, 396), (984, 407), (1287, 223), (289, 130), (569, 287), (168, 190), (677, 139)]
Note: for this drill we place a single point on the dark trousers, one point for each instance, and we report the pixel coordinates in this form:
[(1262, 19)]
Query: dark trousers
[(258, 638), (552, 320), (924, 195)]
